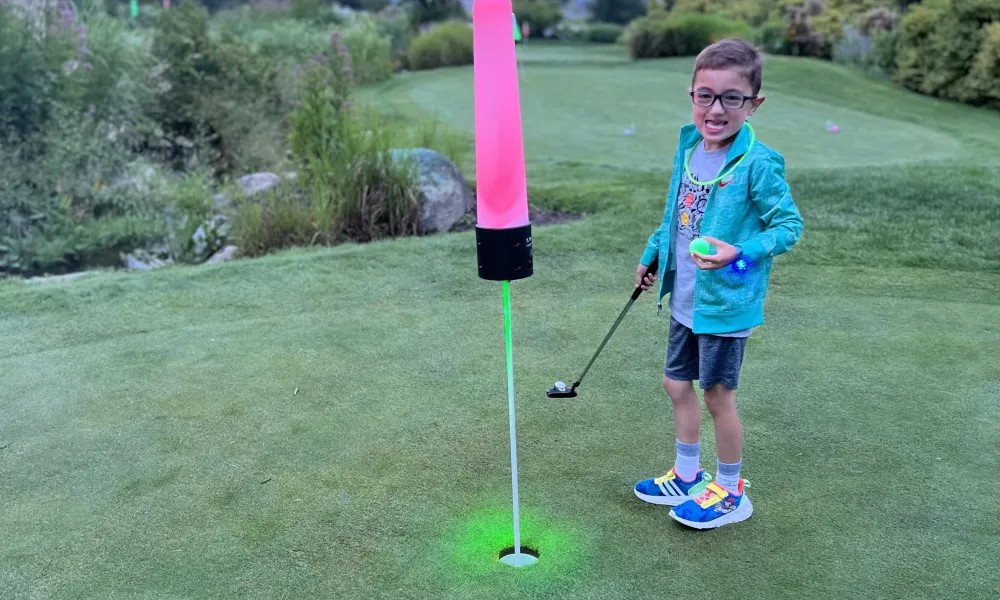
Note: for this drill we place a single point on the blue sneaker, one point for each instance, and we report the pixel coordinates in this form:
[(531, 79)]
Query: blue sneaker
[(670, 489), (713, 506)]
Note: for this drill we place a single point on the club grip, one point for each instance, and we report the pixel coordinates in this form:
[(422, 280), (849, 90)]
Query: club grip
[(653, 267)]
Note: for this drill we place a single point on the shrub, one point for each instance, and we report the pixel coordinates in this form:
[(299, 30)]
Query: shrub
[(64, 202), (446, 45), (218, 93), (539, 14), (683, 35), (393, 23), (774, 36), (371, 59), (352, 186), (948, 48), (432, 11), (603, 33)]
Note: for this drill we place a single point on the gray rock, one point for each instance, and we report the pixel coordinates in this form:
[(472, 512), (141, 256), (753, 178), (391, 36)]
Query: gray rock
[(443, 192), (225, 255), (210, 235), (258, 183), (134, 264), (220, 201)]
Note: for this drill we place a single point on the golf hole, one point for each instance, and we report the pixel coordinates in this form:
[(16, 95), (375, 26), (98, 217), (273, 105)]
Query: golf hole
[(529, 556)]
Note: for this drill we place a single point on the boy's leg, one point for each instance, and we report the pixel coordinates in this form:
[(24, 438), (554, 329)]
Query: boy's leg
[(681, 368), (687, 423), (723, 501), (721, 403)]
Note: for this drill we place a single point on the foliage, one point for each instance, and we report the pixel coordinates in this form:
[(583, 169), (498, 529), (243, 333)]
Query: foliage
[(352, 186), (216, 92), (446, 45), (393, 23), (682, 35), (621, 12), (539, 14), (433, 11), (371, 58), (657, 10), (603, 33), (874, 54), (72, 97), (948, 48), (66, 200)]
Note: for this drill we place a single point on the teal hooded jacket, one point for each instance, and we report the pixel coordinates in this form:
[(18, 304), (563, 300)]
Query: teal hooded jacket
[(750, 208)]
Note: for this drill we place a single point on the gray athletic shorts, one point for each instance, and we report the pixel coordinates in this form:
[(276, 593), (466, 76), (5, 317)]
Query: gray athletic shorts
[(710, 359)]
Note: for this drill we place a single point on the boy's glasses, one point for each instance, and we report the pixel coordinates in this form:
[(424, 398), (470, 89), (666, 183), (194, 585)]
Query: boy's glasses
[(729, 99)]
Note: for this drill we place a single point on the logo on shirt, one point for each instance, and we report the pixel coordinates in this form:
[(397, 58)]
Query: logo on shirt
[(726, 182)]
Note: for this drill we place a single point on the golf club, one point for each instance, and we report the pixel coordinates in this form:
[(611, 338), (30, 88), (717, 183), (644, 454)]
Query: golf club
[(559, 390)]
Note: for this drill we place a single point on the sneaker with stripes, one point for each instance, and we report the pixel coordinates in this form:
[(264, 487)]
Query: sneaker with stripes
[(670, 489)]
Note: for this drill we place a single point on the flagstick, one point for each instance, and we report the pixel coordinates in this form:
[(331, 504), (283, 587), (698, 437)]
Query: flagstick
[(513, 434)]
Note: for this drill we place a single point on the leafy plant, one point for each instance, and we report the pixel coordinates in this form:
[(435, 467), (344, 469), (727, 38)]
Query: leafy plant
[(446, 45)]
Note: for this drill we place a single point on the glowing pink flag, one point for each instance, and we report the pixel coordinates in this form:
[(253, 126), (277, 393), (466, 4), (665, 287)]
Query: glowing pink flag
[(501, 191)]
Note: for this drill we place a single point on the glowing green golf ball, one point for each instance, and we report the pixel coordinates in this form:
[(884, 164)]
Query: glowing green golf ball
[(700, 246)]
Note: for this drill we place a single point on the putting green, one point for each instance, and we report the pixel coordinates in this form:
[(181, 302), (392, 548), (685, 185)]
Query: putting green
[(581, 113)]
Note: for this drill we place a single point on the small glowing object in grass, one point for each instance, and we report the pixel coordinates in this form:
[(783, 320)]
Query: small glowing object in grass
[(700, 246)]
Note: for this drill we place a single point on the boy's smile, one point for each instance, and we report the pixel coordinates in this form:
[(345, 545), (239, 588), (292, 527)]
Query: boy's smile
[(721, 120)]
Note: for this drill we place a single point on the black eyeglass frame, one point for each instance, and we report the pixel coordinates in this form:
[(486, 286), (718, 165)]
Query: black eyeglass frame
[(719, 98)]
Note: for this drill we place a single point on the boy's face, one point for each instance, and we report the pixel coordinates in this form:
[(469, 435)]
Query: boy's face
[(721, 120)]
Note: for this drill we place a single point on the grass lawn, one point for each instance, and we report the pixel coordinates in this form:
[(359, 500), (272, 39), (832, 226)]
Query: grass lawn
[(332, 423)]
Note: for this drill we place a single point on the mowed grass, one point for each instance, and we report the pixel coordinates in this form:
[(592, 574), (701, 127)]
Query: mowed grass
[(333, 423)]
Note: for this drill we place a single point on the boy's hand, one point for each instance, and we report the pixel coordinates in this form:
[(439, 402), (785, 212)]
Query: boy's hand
[(724, 255), (644, 282)]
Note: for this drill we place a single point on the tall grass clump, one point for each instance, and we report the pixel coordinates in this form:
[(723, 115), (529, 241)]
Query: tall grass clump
[(351, 187)]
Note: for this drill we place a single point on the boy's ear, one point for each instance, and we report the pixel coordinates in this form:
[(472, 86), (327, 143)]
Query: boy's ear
[(755, 104)]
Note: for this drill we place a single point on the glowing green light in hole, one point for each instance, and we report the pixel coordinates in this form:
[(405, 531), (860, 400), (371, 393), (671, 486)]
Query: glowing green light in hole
[(475, 544)]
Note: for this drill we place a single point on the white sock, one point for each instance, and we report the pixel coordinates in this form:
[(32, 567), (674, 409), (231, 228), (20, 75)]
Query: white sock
[(729, 476), (688, 460)]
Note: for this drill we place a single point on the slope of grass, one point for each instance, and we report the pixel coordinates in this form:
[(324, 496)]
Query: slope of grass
[(333, 423)]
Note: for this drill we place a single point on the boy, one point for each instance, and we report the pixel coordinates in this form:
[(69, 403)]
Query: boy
[(729, 189)]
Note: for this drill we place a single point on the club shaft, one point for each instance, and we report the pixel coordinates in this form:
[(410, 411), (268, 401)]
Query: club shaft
[(606, 338), (513, 434)]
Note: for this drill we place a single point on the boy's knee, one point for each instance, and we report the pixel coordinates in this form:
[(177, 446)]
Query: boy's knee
[(719, 399), (678, 390)]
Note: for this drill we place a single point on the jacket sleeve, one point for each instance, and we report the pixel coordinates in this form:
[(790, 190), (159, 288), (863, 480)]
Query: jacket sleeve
[(782, 222), (652, 249)]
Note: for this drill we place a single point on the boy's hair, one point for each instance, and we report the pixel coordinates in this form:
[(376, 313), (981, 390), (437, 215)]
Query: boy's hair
[(731, 53)]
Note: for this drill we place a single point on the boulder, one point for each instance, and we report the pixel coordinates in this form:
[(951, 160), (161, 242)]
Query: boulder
[(226, 254), (443, 192), (257, 183)]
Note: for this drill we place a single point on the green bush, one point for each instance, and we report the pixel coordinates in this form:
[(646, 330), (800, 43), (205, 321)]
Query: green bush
[(773, 36), (394, 23), (351, 185), (539, 14), (371, 52), (433, 11), (66, 199), (72, 97), (681, 35), (217, 94), (603, 33), (948, 48), (446, 45)]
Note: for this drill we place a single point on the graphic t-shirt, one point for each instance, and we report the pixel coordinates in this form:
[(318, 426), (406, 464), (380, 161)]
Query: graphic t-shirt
[(691, 200)]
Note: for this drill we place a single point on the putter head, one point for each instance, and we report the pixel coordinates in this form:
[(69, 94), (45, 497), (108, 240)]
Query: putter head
[(559, 390)]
